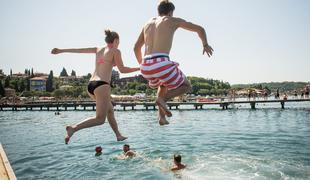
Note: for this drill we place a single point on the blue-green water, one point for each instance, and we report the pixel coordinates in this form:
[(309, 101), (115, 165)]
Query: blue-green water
[(267, 143)]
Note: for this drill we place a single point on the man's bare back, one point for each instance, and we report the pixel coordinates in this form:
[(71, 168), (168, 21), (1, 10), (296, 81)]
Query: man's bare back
[(158, 34)]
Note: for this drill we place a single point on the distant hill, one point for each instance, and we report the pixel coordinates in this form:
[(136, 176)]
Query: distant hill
[(283, 86)]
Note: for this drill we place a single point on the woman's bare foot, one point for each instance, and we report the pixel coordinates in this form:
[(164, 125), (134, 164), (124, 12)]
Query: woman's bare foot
[(121, 138), (70, 132), (162, 104)]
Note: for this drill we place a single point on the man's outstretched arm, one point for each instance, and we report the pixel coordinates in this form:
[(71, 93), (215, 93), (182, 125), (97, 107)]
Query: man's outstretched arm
[(201, 33), (138, 47)]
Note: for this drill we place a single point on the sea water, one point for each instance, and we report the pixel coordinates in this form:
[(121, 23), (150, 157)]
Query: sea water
[(238, 143)]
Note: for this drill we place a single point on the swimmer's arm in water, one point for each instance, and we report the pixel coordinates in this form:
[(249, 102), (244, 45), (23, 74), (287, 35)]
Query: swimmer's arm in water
[(120, 65), (79, 50), (178, 168), (130, 154), (138, 46), (200, 31)]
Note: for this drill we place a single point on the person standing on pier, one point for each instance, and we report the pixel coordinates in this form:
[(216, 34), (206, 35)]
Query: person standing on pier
[(99, 84), (156, 66)]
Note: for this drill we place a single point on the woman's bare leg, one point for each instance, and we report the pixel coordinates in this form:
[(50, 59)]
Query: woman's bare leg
[(102, 95), (113, 123)]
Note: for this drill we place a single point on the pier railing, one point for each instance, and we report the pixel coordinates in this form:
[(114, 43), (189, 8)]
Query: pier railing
[(91, 105)]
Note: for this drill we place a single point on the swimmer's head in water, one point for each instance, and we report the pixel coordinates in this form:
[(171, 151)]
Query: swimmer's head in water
[(165, 7), (126, 147), (177, 158), (111, 37)]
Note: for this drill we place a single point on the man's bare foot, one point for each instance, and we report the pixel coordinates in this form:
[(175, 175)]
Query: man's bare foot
[(121, 138), (163, 122), (162, 104), (70, 132)]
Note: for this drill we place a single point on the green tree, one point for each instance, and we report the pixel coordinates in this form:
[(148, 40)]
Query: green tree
[(73, 73), (28, 83), (49, 82), (7, 82), (141, 87), (58, 93), (32, 75), (22, 86), (63, 72), (2, 91), (15, 85)]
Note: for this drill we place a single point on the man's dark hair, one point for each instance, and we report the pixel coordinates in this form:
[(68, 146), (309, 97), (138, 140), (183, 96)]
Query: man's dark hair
[(177, 158), (127, 145), (165, 7)]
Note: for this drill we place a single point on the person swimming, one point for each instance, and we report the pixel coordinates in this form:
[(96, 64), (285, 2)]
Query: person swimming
[(177, 163), (99, 88), (127, 151)]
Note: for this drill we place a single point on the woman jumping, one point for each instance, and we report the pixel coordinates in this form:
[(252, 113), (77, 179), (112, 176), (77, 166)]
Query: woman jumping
[(99, 84)]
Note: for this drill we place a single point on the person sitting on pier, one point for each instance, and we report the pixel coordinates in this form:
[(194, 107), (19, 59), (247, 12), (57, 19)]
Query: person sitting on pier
[(177, 163), (285, 96), (99, 84), (156, 66)]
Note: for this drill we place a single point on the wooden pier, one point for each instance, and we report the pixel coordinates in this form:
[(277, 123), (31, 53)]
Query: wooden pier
[(6, 171), (90, 105)]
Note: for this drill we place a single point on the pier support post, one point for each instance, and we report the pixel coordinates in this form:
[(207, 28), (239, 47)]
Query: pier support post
[(132, 107), (154, 108), (252, 105), (93, 108)]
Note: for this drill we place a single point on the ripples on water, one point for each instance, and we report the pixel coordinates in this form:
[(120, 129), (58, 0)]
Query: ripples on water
[(267, 143)]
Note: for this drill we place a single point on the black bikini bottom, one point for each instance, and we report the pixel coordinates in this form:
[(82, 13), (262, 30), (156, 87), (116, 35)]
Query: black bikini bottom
[(92, 85)]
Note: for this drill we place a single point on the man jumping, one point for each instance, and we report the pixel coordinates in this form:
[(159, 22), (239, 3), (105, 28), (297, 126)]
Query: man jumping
[(156, 66)]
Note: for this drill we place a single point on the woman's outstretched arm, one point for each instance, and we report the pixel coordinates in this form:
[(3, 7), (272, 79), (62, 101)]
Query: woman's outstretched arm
[(79, 50), (120, 65)]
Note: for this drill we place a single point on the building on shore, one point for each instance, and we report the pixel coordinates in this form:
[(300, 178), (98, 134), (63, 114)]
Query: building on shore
[(123, 81), (9, 92), (68, 80), (38, 84), (20, 75)]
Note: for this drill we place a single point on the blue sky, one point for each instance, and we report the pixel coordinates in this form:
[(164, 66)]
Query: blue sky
[(254, 40)]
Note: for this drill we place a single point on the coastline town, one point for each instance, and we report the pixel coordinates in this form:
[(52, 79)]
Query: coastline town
[(36, 87)]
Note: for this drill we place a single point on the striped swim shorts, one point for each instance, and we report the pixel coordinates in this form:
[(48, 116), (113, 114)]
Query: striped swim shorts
[(160, 71)]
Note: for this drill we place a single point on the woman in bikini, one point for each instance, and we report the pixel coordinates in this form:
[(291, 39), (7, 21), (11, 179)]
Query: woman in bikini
[(99, 84)]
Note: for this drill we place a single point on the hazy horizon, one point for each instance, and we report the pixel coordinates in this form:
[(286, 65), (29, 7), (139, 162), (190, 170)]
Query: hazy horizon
[(254, 41)]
